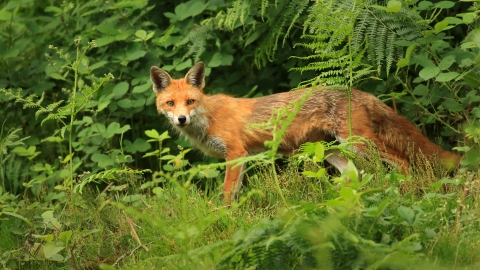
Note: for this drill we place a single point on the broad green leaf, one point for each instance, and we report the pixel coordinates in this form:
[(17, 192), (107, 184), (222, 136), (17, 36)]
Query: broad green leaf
[(446, 77), (102, 160), (394, 6), (216, 60), (142, 88), (424, 5), (104, 41), (347, 193), (51, 220), (195, 9), (142, 34), (452, 105), (429, 72), (446, 62), (65, 236), (13, 52), (56, 76), (124, 103), (423, 61), (50, 249), (184, 65), (466, 17), (152, 133), (441, 25), (107, 29), (120, 90), (407, 213), (97, 65), (421, 90), (135, 55), (445, 4)]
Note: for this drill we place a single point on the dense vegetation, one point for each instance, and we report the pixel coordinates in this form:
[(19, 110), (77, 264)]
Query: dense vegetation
[(91, 177)]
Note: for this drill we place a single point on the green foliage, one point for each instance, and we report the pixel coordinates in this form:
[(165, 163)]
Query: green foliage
[(90, 176)]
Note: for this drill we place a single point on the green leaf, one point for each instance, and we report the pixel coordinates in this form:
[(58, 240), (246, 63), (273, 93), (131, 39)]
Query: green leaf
[(446, 62), (107, 29), (135, 55), (421, 90), (18, 216), (441, 25), (50, 249), (195, 9), (319, 152), (407, 213), (152, 133), (120, 90), (446, 77), (423, 61), (102, 160), (429, 72), (53, 9), (104, 41), (97, 65), (186, 64), (424, 5), (142, 34), (216, 60), (142, 88), (466, 17), (445, 4), (53, 222), (56, 76), (452, 105), (347, 193), (394, 6), (65, 236), (124, 103)]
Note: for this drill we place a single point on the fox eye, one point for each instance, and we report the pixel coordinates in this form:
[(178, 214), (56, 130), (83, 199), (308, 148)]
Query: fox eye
[(190, 101), (170, 103)]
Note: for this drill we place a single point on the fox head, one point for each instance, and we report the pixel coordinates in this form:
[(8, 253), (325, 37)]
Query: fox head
[(180, 100)]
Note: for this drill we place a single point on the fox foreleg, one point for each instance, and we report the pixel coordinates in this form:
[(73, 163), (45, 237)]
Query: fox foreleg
[(233, 177)]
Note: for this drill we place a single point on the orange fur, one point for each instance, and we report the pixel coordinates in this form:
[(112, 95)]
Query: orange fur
[(218, 124)]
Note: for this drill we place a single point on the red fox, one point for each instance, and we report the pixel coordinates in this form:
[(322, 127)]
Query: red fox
[(218, 124)]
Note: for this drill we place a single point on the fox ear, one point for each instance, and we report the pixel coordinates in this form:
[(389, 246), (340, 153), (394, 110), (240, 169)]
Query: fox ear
[(160, 79), (196, 76)]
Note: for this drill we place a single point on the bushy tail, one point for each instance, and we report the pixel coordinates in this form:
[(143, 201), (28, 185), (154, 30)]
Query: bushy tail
[(402, 136)]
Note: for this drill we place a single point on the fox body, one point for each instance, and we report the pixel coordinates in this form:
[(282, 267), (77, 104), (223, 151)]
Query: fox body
[(219, 124)]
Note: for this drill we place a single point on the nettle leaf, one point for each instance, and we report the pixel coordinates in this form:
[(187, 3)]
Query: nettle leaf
[(446, 77), (446, 62), (429, 72)]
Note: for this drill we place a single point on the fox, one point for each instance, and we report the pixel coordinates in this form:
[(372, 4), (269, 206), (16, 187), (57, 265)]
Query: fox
[(218, 125)]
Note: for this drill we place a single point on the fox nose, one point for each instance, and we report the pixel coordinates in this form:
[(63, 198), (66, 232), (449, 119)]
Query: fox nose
[(182, 119)]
